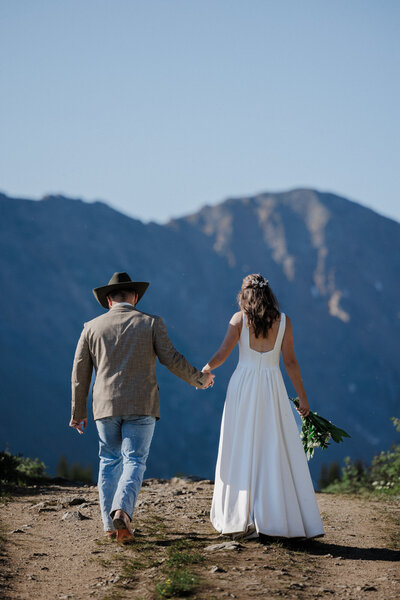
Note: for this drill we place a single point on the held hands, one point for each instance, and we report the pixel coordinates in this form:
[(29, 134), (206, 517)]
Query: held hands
[(210, 378), (209, 381), (77, 425), (304, 408)]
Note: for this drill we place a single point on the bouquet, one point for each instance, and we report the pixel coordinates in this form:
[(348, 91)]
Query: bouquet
[(317, 431)]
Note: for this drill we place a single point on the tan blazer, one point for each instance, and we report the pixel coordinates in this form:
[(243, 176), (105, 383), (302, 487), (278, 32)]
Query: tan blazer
[(122, 346)]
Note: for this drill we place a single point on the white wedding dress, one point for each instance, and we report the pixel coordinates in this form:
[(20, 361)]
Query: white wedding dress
[(262, 480)]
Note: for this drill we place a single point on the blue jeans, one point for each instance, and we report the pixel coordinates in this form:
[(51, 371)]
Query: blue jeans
[(124, 444)]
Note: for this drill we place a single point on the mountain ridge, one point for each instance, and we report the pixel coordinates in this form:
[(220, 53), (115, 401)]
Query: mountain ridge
[(227, 199), (314, 247)]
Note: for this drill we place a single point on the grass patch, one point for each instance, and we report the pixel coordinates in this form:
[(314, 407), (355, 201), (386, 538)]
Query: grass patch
[(172, 558), (130, 568), (180, 544), (104, 562), (156, 526), (179, 582), (394, 535), (154, 520), (155, 517), (178, 559)]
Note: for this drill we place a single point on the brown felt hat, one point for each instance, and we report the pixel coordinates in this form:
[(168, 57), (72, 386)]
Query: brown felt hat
[(119, 281)]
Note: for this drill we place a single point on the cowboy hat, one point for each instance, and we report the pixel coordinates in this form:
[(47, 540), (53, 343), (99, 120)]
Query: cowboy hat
[(119, 281)]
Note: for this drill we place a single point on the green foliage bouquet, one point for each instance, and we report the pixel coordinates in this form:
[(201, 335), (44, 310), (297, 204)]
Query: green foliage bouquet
[(316, 432)]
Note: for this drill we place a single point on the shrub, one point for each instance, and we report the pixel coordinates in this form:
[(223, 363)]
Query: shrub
[(381, 476), (20, 470)]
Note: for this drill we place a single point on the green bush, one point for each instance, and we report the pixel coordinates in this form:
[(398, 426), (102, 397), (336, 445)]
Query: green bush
[(381, 476), (385, 467), (19, 470)]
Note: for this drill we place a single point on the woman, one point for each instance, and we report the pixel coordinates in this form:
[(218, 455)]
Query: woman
[(262, 481)]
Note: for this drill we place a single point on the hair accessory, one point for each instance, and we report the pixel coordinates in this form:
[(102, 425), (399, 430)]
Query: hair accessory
[(261, 282)]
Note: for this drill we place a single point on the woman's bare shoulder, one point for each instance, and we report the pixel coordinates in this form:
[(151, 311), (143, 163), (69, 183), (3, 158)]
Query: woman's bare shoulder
[(288, 325), (236, 319)]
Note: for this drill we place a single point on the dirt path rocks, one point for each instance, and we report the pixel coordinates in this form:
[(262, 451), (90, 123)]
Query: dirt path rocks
[(53, 548)]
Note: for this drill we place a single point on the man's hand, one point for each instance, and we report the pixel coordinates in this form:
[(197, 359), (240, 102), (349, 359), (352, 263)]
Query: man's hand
[(77, 425)]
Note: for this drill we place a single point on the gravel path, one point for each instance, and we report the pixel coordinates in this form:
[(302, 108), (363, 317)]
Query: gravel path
[(53, 548)]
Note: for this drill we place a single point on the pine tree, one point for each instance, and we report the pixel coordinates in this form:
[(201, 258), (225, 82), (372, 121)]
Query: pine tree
[(323, 480), (333, 472), (63, 468), (81, 473)]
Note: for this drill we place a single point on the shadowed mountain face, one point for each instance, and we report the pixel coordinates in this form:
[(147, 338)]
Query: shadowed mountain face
[(332, 263)]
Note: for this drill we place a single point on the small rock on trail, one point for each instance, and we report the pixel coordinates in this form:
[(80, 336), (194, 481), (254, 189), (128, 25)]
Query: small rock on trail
[(223, 546), (75, 515)]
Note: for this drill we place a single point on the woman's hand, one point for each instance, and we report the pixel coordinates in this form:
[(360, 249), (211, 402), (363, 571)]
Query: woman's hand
[(210, 379), (304, 408)]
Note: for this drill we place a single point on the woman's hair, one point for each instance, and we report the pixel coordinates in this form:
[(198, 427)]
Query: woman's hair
[(258, 302)]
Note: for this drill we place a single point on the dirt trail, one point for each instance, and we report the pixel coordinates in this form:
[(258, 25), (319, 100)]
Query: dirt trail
[(46, 557)]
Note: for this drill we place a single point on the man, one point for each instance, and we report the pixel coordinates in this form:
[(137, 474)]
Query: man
[(122, 346)]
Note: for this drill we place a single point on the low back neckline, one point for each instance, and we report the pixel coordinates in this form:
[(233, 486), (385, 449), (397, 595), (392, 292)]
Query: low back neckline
[(244, 325)]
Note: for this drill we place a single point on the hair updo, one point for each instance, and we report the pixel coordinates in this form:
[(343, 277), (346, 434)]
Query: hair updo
[(257, 300)]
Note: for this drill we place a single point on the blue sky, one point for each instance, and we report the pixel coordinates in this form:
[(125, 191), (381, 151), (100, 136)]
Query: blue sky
[(161, 106)]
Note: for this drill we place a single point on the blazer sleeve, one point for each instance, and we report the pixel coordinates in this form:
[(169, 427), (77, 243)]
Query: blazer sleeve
[(172, 359), (81, 378)]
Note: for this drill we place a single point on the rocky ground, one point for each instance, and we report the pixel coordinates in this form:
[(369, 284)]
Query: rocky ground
[(53, 546)]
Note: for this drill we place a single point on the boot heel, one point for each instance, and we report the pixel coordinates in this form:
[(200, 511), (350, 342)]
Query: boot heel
[(124, 536)]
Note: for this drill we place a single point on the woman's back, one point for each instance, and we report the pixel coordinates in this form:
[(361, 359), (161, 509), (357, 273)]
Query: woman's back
[(264, 344), (266, 351)]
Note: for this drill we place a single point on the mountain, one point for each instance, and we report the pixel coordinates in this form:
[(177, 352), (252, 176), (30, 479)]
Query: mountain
[(333, 264)]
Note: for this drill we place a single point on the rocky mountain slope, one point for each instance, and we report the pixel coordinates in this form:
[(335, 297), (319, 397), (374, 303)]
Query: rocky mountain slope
[(333, 264)]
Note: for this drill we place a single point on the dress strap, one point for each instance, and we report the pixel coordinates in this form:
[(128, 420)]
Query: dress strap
[(281, 331), (242, 335)]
